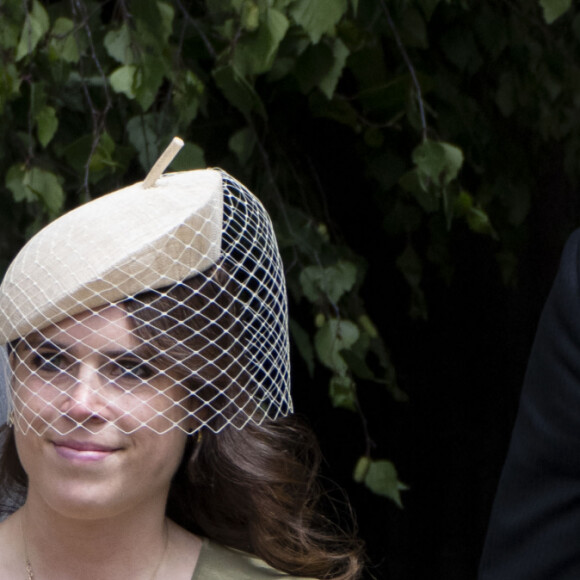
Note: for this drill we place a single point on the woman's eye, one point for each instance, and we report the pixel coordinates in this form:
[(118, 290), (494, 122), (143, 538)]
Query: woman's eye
[(47, 361), (130, 370)]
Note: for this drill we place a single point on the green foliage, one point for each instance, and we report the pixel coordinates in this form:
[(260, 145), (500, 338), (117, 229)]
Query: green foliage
[(381, 477), (329, 283), (47, 124), (255, 53), (317, 18), (437, 163), (35, 184), (36, 25), (553, 9), (429, 98), (333, 337)]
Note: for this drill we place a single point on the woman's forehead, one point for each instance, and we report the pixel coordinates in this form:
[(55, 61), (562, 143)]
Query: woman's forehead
[(107, 326)]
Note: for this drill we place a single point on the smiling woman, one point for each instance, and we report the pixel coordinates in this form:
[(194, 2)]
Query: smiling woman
[(146, 348)]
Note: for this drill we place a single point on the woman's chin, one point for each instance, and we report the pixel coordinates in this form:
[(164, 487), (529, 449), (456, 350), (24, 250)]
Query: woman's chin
[(82, 502)]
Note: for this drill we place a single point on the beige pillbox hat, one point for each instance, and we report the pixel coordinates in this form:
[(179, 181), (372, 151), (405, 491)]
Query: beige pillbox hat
[(113, 247)]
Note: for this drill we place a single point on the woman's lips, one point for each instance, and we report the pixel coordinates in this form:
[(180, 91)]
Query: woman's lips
[(83, 451)]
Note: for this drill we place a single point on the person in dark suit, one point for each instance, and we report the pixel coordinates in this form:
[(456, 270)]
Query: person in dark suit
[(534, 531)]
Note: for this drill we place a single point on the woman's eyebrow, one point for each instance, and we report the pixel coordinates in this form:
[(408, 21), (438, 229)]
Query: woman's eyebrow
[(141, 352), (37, 341)]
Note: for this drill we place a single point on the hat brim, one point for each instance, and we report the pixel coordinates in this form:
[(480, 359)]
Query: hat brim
[(113, 247)]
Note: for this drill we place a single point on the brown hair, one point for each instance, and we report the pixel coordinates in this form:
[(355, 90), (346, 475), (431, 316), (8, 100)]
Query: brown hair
[(256, 488)]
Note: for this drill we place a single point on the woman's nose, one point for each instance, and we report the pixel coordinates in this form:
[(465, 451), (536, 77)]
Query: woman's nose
[(84, 399)]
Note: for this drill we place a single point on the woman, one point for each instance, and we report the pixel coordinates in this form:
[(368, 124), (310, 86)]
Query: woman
[(149, 437)]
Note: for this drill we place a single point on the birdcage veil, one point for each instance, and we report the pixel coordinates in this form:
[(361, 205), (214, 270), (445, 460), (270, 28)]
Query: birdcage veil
[(161, 305)]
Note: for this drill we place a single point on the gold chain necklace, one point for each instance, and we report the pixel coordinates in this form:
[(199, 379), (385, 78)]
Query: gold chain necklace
[(30, 571)]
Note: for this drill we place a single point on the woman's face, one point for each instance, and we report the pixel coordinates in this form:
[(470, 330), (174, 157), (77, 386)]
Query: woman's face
[(95, 410)]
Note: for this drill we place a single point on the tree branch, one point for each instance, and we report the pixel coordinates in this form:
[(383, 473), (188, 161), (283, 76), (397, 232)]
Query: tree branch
[(410, 66)]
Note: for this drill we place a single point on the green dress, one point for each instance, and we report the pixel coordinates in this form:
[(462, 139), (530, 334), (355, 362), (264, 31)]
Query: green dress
[(217, 562)]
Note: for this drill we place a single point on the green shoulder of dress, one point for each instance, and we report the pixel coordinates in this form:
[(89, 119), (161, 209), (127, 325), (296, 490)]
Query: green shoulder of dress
[(217, 562)]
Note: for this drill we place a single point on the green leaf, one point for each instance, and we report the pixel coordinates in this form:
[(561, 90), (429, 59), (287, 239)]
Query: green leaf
[(77, 152), (37, 97), (187, 95), (479, 222), (437, 162), (388, 98), (255, 52), (9, 84), (46, 186), (242, 143), (9, 33), (318, 17), (282, 4), (304, 344), (35, 27), (449, 195), (190, 157), (477, 219), (63, 44), (333, 337), (118, 45), (313, 65), (382, 479), (46, 125), (229, 29), (167, 13), (99, 156), (367, 325), (463, 203), (153, 22), (250, 17), (238, 91), (416, 185), (36, 184), (361, 469), (342, 393), (143, 137), (15, 183), (331, 282), (123, 80), (553, 9), (148, 80), (139, 80), (355, 358), (328, 82), (102, 156), (281, 67)]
